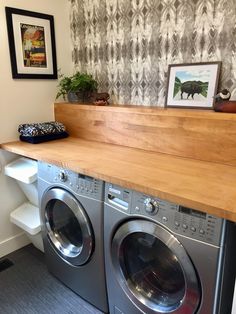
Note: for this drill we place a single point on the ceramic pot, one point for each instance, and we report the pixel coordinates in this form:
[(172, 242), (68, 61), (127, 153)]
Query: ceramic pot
[(72, 97), (84, 97)]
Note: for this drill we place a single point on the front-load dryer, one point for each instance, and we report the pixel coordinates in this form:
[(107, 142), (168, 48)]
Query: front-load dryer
[(72, 225), (164, 258)]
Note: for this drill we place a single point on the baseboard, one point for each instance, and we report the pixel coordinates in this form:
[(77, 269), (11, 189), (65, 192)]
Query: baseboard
[(13, 243)]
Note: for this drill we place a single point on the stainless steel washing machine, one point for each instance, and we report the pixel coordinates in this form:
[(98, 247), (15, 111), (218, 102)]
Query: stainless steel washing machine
[(72, 226), (164, 258)]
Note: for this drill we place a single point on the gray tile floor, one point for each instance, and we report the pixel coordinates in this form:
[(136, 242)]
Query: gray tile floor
[(28, 288)]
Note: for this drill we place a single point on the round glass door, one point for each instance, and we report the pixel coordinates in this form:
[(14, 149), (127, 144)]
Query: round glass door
[(68, 227), (154, 269)]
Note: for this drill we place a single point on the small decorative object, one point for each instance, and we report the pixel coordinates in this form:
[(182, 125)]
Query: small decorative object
[(32, 44), (81, 84), (100, 99), (192, 85), (222, 102)]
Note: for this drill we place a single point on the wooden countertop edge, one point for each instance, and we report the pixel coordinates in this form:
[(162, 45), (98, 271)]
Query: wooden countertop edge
[(156, 111), (39, 152)]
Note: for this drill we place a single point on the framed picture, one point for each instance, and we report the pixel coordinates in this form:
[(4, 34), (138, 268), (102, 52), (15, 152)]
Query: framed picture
[(32, 47), (192, 85)]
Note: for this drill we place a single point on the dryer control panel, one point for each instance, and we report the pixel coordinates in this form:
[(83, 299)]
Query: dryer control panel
[(77, 183)]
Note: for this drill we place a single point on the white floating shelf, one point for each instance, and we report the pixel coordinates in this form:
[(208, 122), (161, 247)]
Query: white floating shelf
[(22, 169), (27, 217)]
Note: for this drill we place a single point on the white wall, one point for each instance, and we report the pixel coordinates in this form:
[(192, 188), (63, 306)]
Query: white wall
[(23, 101)]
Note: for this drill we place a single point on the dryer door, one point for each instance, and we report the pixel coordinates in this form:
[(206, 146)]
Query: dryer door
[(153, 269), (67, 226)]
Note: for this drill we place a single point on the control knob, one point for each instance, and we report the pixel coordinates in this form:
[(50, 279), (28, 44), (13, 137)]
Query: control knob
[(62, 176), (151, 206)]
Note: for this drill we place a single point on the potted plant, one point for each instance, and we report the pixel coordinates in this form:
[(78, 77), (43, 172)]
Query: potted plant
[(64, 86), (81, 84)]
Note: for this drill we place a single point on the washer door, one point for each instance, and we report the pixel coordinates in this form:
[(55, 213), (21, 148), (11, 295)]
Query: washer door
[(153, 269), (68, 227)]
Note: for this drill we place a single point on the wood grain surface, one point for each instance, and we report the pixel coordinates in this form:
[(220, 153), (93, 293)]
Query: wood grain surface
[(199, 134), (202, 185)]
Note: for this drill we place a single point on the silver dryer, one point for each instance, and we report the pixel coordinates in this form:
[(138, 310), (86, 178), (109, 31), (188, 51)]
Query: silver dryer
[(72, 226)]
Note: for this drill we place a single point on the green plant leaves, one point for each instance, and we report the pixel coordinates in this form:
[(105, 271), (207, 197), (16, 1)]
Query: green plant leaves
[(81, 82), (64, 87)]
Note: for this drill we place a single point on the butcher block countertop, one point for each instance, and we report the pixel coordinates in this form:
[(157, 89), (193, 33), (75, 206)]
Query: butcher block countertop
[(202, 185)]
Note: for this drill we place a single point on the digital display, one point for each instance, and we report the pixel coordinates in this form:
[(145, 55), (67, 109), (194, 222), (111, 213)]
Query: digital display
[(185, 210), (192, 212), (82, 176)]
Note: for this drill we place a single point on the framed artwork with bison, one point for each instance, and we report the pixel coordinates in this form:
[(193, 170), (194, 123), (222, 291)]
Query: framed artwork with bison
[(192, 85)]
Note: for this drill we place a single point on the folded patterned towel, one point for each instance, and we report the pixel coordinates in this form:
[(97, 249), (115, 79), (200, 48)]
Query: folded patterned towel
[(39, 129)]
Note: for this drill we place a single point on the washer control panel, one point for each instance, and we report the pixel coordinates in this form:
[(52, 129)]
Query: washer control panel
[(78, 183), (180, 219)]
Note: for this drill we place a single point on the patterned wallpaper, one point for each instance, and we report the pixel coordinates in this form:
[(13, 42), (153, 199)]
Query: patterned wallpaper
[(128, 44)]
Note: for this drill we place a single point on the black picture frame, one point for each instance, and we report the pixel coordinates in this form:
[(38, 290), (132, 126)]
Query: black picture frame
[(32, 47), (202, 77)]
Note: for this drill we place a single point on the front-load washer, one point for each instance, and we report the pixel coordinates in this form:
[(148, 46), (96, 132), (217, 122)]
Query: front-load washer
[(71, 208), (164, 258)]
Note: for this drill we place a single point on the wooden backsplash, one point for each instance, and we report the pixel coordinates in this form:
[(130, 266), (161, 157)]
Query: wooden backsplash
[(199, 134)]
